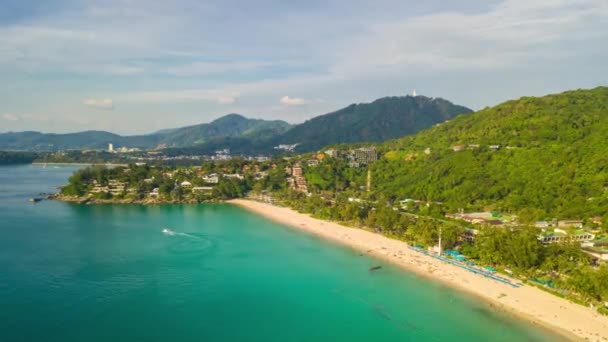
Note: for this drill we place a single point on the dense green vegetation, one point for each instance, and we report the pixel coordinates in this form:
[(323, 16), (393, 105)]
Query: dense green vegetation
[(137, 188), (7, 158), (552, 160), (139, 181), (231, 125), (383, 119)]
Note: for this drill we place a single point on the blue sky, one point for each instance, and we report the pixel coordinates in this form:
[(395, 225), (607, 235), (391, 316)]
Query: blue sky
[(135, 66)]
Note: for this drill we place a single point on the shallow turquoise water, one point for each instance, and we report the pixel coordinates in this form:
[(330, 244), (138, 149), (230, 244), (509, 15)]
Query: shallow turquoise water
[(98, 273)]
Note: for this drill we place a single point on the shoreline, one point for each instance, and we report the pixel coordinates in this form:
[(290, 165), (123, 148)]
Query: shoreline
[(78, 164), (530, 304), (146, 201)]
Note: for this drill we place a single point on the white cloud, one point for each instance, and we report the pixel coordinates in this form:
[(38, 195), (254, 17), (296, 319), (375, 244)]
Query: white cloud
[(10, 117), (474, 52), (208, 68), (510, 34), (99, 103), (514, 33), (107, 69), (182, 95), (226, 100), (289, 101)]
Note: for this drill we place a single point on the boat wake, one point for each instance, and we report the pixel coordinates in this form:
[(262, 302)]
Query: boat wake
[(186, 244), (170, 232)]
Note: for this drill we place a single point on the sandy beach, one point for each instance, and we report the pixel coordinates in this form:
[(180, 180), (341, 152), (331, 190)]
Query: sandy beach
[(571, 320)]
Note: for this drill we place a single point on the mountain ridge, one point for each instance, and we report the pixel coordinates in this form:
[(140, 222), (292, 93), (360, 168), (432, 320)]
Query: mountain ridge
[(383, 119), (380, 120), (228, 125)]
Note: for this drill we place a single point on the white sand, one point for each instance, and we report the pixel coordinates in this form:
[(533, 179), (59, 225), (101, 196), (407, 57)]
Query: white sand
[(571, 320)]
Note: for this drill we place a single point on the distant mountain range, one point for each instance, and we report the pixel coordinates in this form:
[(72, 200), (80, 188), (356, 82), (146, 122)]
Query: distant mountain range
[(36, 141), (231, 125), (383, 119)]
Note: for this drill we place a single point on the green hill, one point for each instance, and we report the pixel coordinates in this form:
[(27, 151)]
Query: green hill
[(550, 160), (231, 125), (381, 120), (36, 141)]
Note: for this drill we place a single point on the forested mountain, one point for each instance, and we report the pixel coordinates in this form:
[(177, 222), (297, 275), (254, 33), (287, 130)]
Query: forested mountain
[(384, 119), (378, 121), (231, 125), (538, 157)]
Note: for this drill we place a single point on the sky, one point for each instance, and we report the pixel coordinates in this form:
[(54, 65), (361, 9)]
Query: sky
[(137, 66)]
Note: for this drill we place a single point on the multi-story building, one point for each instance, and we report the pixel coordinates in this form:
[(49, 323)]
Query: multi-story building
[(114, 187), (332, 153), (296, 170), (298, 182), (365, 155), (212, 178), (469, 234), (560, 235)]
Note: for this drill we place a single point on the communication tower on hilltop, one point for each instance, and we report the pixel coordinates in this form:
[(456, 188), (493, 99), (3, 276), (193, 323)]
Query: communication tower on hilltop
[(414, 93)]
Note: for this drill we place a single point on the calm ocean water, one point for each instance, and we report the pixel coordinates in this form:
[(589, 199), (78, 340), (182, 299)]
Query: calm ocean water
[(108, 273)]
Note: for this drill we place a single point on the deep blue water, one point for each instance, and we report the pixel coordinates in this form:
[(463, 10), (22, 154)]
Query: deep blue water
[(107, 273)]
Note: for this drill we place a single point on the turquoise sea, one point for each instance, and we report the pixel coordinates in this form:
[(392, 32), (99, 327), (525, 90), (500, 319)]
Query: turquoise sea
[(108, 273)]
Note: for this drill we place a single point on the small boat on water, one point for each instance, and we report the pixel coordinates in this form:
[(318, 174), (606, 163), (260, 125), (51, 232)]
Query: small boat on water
[(168, 231), (35, 199)]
